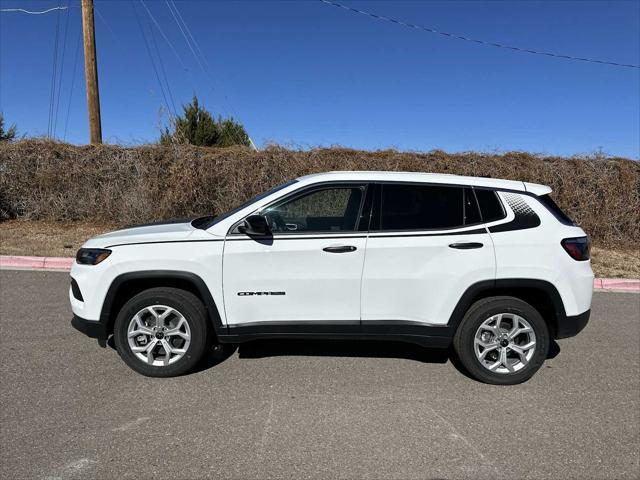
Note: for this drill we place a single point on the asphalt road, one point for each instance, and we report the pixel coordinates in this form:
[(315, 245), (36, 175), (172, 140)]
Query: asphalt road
[(308, 409)]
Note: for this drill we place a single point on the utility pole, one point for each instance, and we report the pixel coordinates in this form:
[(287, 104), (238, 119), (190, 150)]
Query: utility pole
[(91, 71)]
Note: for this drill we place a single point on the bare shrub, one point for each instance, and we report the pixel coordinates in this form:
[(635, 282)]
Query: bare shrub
[(111, 184)]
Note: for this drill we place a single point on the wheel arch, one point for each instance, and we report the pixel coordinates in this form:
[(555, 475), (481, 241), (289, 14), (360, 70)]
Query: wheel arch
[(540, 294), (126, 285)]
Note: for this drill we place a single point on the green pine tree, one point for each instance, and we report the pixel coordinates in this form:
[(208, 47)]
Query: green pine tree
[(196, 126), (6, 135)]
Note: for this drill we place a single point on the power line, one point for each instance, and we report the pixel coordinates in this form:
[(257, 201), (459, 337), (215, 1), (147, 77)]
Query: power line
[(64, 47), (153, 64), (207, 70), (125, 48), (184, 34), (163, 35), (53, 75), (22, 10), (104, 20), (162, 70), (473, 40), (73, 81)]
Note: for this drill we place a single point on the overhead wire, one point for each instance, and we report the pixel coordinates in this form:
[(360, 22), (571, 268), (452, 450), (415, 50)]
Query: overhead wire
[(73, 81), (53, 74), (475, 40), (106, 24), (175, 52), (64, 46), (184, 34), (162, 70), (164, 96), (118, 41), (30, 12)]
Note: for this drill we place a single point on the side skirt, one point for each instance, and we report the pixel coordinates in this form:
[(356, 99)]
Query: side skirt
[(410, 332)]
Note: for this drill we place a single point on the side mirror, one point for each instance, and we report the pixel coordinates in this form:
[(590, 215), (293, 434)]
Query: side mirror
[(255, 225)]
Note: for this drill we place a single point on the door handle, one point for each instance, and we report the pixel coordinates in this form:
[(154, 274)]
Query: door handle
[(340, 249), (466, 245)]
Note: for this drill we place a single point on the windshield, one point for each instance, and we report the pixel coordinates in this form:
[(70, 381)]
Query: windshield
[(246, 204)]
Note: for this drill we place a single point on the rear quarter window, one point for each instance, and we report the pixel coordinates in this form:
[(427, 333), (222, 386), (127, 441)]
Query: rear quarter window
[(557, 212), (490, 205)]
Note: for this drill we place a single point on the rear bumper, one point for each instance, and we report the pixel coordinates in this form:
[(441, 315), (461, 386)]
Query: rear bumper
[(91, 328), (571, 326)]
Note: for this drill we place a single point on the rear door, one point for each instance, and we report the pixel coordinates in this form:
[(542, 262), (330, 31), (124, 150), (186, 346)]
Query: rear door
[(426, 246), (309, 270)]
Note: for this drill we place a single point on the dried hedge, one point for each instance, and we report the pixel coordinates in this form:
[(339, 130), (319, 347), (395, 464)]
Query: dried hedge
[(111, 184)]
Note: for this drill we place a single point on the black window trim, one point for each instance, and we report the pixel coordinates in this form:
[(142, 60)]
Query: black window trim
[(465, 192), (495, 191), (367, 207), (302, 192), (478, 204)]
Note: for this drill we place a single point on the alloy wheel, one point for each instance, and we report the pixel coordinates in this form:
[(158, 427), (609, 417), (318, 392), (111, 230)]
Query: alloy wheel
[(159, 335), (504, 343)]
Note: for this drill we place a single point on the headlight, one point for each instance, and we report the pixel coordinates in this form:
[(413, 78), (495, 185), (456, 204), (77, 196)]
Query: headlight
[(92, 256)]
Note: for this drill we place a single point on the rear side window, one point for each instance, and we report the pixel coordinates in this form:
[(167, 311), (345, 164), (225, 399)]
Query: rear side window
[(557, 212), (490, 205), (471, 212), (421, 207)]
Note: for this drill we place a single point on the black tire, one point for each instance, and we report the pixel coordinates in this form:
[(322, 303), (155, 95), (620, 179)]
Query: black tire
[(193, 312), (463, 340)]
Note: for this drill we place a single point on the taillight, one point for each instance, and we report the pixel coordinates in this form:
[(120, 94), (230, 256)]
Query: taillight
[(577, 247)]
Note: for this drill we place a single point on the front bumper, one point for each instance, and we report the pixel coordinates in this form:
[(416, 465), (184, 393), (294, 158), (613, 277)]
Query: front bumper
[(571, 326), (91, 328)]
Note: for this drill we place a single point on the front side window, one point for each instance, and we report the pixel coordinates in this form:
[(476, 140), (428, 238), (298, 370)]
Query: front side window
[(421, 207), (332, 209)]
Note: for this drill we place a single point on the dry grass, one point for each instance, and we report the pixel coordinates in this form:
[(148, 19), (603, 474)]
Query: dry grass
[(43, 180), (616, 263), (58, 239), (46, 239)]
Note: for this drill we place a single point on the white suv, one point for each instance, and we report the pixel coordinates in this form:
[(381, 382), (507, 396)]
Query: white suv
[(491, 267)]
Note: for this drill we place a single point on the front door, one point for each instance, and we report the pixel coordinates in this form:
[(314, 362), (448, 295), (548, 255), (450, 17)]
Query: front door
[(309, 270)]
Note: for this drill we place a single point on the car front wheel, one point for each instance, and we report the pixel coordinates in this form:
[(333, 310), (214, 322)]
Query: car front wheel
[(502, 340), (161, 332)]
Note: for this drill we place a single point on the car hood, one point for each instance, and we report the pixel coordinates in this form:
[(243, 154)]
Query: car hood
[(172, 231)]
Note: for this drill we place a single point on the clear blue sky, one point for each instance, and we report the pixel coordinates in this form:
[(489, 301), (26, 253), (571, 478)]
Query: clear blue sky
[(307, 74)]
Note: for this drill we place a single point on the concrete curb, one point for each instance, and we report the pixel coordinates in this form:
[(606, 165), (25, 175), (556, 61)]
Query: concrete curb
[(622, 284), (13, 262), (37, 263)]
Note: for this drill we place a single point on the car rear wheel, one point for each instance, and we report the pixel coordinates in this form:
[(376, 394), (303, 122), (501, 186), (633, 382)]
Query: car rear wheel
[(162, 332), (502, 340)]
